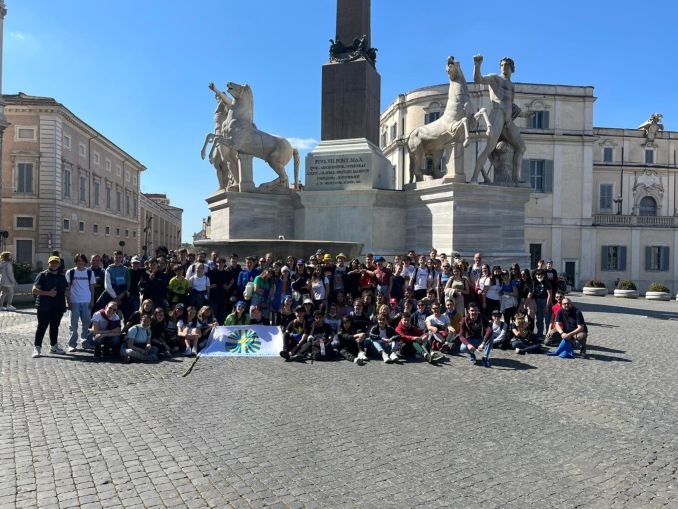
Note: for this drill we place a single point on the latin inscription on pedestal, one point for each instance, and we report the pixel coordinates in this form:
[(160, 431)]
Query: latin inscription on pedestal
[(338, 172)]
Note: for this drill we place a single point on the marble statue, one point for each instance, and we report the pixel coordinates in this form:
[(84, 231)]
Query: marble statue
[(652, 125), (502, 114), (222, 157), (240, 134), (453, 127)]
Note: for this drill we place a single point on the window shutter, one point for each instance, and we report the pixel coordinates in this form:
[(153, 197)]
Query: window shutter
[(545, 120), (525, 171), (622, 258), (548, 176), (603, 258), (648, 258), (665, 258)]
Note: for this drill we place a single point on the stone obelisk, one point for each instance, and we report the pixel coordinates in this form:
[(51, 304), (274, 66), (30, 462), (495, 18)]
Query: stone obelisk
[(350, 83)]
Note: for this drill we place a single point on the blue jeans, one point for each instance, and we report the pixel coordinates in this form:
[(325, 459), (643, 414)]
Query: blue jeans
[(476, 343), (82, 312), (379, 345), (542, 316)]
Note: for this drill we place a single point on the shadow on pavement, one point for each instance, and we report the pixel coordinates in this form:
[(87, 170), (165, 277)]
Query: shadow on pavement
[(512, 364), (604, 358), (604, 308), (599, 348)]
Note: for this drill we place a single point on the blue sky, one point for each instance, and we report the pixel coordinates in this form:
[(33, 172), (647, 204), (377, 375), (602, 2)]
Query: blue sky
[(138, 71)]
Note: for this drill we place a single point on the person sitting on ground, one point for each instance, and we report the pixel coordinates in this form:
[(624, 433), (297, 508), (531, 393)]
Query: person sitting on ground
[(146, 308), (500, 335), (552, 336), (320, 338), (286, 313), (475, 335), (159, 337), (295, 334), (256, 316), (206, 322), (189, 331), (105, 330), (523, 340), (440, 330), (347, 342), (421, 314), (138, 343), (238, 316), (414, 341), (571, 327), (383, 340), (332, 318)]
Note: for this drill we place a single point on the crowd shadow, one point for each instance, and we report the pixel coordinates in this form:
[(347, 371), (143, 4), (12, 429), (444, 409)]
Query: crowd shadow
[(604, 358), (509, 363), (606, 308), (599, 348)]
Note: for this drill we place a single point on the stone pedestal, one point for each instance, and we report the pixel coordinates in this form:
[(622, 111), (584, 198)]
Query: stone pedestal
[(241, 215), (467, 218)]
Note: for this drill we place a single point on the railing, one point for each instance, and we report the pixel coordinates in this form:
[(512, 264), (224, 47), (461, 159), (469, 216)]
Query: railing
[(628, 220)]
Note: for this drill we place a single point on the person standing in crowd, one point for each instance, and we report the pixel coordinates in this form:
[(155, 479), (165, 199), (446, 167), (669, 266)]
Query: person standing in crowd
[(7, 282), (116, 286), (339, 274), (218, 299), (246, 279), (420, 281), (79, 299), (178, 287), (136, 273), (200, 286), (153, 285), (99, 275), (50, 289), (541, 293)]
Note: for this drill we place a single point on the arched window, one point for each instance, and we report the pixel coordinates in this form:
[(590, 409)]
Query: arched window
[(648, 206)]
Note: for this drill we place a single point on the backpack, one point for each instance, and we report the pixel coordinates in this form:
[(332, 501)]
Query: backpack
[(71, 275), (249, 291)]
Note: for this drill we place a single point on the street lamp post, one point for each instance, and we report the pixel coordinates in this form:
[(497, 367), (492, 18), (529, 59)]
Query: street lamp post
[(146, 231)]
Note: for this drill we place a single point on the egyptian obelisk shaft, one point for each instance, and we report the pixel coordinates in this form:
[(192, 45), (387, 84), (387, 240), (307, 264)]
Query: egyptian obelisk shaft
[(351, 85)]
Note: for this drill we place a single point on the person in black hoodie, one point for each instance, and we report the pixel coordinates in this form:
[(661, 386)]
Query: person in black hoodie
[(153, 285)]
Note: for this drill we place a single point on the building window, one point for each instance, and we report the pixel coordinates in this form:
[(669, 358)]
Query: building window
[(107, 230), (24, 178), (108, 197), (127, 178), (649, 156), (136, 207), (539, 120), (67, 183), (107, 164), (432, 116), (24, 251), (67, 142), (82, 150), (394, 132), (23, 223), (539, 174), (128, 209), (134, 180), (126, 233), (67, 225), (535, 255), (384, 141), (657, 258), (82, 182), (97, 187), (605, 197), (117, 232), (95, 229), (118, 201), (613, 258), (118, 170), (24, 133), (134, 234), (96, 158), (647, 206), (608, 154), (81, 226)]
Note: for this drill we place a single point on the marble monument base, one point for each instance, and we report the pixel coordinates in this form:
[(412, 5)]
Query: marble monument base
[(468, 218), (242, 215)]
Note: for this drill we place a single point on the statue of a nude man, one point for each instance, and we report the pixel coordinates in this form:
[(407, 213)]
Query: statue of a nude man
[(501, 116)]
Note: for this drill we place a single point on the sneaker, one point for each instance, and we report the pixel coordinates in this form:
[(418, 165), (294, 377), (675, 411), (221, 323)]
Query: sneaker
[(285, 355), (359, 361), (36, 352), (583, 355), (427, 356), (194, 351), (87, 345), (187, 352), (362, 355), (394, 357), (472, 358), (97, 351), (386, 358), (10, 308), (486, 362), (297, 357), (436, 357), (71, 349), (56, 349)]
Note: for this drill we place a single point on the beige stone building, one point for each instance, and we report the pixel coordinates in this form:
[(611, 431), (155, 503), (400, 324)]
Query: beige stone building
[(67, 187), (159, 222), (603, 203)]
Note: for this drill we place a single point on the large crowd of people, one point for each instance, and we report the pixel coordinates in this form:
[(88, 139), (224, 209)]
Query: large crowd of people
[(413, 306)]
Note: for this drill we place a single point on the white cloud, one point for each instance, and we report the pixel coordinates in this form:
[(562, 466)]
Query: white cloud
[(303, 143), (17, 35)]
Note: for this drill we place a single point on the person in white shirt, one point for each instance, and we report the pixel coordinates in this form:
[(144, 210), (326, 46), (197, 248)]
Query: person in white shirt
[(420, 281), (79, 298), (199, 285)]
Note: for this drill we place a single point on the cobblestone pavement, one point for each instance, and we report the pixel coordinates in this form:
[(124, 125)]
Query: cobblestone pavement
[(532, 431)]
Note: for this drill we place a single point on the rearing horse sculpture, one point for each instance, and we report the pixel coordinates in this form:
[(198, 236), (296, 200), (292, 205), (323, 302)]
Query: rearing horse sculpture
[(239, 133), (454, 126)]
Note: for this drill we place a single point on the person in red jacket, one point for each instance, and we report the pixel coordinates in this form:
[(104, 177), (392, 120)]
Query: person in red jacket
[(474, 335), (414, 341)]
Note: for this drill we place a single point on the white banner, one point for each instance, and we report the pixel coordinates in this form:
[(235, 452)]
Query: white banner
[(244, 341)]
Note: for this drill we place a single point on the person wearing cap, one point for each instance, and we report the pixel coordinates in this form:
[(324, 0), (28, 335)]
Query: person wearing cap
[(500, 336), (79, 298), (50, 290), (307, 304), (238, 316), (383, 277)]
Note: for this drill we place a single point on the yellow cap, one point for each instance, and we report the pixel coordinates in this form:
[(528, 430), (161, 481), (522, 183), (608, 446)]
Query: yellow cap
[(54, 259)]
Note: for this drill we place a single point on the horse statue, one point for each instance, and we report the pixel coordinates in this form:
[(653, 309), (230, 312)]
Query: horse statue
[(652, 126), (224, 158), (454, 126), (239, 133)]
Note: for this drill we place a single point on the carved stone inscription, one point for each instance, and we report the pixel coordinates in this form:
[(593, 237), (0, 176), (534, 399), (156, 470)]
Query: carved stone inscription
[(338, 172)]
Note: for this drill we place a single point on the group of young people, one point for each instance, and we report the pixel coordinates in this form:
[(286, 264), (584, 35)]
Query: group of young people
[(412, 306)]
